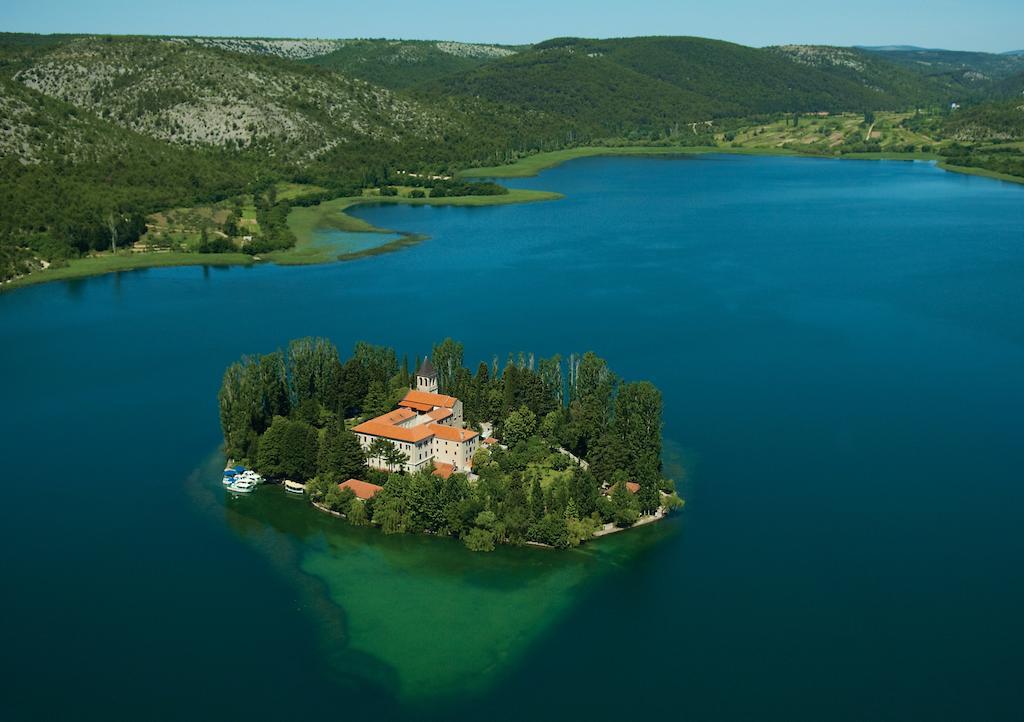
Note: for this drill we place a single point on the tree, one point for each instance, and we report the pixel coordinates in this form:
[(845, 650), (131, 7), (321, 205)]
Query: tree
[(314, 371), (583, 492), (252, 393), (395, 458), (549, 371), (447, 358), (338, 499), (112, 224), (288, 449), (269, 459), (625, 508), (591, 390), (518, 426), (649, 496), (389, 516), (426, 510), (378, 451), (551, 529), (341, 456), (671, 502), (550, 426), (606, 456), (317, 488), (536, 500), (353, 385), (379, 362), (638, 426), (479, 540), (377, 400), (357, 513)]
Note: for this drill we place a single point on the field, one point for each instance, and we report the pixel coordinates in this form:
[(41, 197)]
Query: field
[(831, 135)]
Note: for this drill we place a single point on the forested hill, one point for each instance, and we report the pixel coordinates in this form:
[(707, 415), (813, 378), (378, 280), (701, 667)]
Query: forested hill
[(652, 83)]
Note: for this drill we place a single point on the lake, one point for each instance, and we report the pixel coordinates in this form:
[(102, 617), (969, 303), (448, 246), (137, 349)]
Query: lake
[(840, 345)]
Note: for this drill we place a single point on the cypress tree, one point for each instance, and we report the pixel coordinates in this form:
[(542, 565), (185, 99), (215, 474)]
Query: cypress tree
[(536, 500)]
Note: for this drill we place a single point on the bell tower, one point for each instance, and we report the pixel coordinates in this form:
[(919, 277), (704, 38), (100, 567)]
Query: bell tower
[(426, 377)]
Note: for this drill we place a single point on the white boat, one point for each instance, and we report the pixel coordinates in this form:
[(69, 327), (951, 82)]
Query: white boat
[(252, 476), (294, 487), (243, 486), (229, 480)]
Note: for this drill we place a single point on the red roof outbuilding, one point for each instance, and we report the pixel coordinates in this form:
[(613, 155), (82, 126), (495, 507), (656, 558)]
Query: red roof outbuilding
[(362, 489)]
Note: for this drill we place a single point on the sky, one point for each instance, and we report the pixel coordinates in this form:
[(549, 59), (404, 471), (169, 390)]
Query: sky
[(990, 25)]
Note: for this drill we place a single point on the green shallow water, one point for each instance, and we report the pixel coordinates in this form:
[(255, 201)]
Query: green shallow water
[(420, 617), (347, 242)]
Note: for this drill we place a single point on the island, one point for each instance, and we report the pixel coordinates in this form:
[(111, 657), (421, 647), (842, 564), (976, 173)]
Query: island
[(546, 451)]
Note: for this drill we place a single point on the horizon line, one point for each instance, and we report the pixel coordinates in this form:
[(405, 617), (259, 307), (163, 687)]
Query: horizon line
[(906, 47)]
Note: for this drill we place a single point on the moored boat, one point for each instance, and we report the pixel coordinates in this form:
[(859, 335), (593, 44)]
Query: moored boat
[(243, 486), (294, 487)]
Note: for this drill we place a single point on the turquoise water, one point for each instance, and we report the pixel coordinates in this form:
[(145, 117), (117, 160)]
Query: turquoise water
[(841, 349)]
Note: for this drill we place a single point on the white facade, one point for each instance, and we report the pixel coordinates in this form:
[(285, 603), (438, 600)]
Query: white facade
[(427, 427)]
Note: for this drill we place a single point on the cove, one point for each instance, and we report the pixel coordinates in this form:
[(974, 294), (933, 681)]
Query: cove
[(840, 345)]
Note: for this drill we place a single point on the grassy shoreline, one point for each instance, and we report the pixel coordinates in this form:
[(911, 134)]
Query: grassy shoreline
[(307, 219), (534, 164), (125, 261), (983, 172)]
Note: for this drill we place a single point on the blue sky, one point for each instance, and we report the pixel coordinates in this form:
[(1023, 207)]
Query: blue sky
[(993, 25)]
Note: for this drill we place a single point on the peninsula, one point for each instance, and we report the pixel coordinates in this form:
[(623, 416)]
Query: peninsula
[(537, 451)]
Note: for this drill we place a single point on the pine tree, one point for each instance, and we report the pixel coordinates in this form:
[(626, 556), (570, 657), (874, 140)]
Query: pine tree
[(341, 456), (536, 500)]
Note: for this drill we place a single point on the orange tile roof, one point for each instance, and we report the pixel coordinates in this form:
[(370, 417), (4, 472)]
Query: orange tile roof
[(415, 405), (631, 486), (422, 397), (395, 417), (440, 414), (449, 433), (397, 433), (490, 440), (443, 470), (362, 489)]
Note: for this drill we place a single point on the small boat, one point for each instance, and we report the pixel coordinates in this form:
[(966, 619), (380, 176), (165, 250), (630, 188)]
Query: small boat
[(251, 476), (229, 480), (294, 487), (243, 486)]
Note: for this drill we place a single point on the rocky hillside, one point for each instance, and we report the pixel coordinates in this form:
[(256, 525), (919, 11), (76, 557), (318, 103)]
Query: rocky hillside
[(189, 94), (406, 63), (297, 49), (968, 67), (901, 86)]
